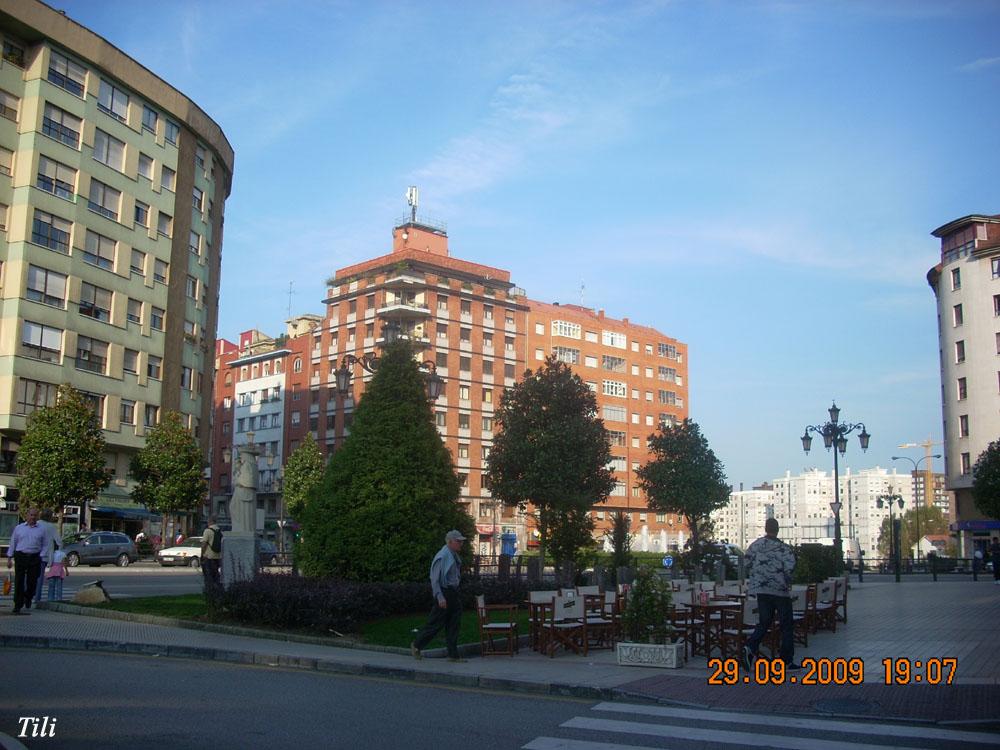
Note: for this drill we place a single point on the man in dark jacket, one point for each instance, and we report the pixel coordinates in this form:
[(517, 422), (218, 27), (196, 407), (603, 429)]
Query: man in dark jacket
[(771, 564)]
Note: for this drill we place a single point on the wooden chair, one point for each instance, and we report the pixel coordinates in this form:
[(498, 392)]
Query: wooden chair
[(738, 624), (566, 626), (490, 628), (826, 607), (803, 612), (603, 624), (538, 603), (588, 590), (729, 590), (686, 627), (840, 600)]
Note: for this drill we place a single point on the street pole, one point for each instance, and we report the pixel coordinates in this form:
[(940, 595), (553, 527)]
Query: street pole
[(838, 543)]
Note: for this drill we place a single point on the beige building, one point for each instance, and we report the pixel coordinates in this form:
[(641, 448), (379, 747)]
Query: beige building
[(112, 189)]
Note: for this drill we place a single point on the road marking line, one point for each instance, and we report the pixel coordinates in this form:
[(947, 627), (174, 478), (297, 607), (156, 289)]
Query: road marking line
[(672, 731), (896, 730), (556, 743)]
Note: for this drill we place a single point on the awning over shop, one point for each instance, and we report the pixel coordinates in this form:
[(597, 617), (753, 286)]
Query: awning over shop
[(135, 512), (485, 529)]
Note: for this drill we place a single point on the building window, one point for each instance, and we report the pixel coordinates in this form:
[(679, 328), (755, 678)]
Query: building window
[(165, 224), (134, 313), (567, 355), (34, 394), (99, 251), (9, 105), (463, 421), (187, 378), (168, 178), (962, 389), (487, 312), (613, 364), (666, 397), (463, 393), (565, 328), (66, 74), (465, 335), (463, 450), (442, 303), (150, 117), (487, 395), (141, 214), (666, 350), (199, 156), (508, 370), (61, 125), (7, 162), (55, 178), (996, 304), (197, 200), (41, 341), (160, 271), (154, 367), (146, 166), (130, 362), (488, 367), (440, 418), (95, 302), (539, 354), (959, 352), (614, 388), (50, 231), (956, 313), (465, 364), (104, 199), (963, 426), (487, 424), (127, 412), (296, 418), (612, 338), (109, 150), (966, 459), (172, 131), (614, 413), (616, 438), (91, 354), (156, 318), (47, 287), (191, 287), (151, 415), (297, 365), (956, 279), (113, 100)]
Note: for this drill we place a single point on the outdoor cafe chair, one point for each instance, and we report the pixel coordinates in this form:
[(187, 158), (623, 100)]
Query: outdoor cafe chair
[(840, 599), (538, 601), (803, 612), (737, 626), (490, 628), (826, 606), (566, 626)]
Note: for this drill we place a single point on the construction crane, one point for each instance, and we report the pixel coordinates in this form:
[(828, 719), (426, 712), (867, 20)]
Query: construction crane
[(927, 445)]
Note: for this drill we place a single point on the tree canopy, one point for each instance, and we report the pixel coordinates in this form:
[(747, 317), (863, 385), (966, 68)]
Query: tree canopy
[(929, 519), (684, 477), (986, 481), (390, 493), (169, 470), (550, 450), (303, 474), (61, 459)]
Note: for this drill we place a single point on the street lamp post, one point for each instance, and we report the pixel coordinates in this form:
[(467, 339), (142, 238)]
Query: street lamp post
[(370, 363), (927, 488), (894, 532), (835, 435)]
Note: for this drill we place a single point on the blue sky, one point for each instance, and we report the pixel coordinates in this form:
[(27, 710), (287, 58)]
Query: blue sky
[(757, 179)]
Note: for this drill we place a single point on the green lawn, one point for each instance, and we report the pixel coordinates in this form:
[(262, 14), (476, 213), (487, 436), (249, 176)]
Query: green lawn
[(184, 607), (399, 630)]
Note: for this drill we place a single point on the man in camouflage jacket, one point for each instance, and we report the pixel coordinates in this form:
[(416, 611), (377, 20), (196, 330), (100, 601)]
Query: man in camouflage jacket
[(771, 564)]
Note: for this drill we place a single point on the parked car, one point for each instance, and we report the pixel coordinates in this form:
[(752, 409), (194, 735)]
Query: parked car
[(99, 547), (268, 552), (187, 552)]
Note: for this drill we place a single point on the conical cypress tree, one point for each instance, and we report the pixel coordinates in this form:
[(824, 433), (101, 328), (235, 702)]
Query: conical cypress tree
[(390, 493)]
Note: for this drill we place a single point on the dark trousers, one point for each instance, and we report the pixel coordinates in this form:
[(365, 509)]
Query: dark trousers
[(996, 567), (27, 566), (767, 606), (210, 572), (449, 618)]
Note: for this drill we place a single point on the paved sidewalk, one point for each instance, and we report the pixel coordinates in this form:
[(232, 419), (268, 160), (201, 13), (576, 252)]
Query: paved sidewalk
[(916, 620)]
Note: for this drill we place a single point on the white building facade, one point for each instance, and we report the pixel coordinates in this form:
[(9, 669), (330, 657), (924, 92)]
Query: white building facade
[(742, 520), (966, 284)]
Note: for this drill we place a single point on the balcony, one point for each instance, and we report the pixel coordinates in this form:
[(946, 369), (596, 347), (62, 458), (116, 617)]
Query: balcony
[(402, 307)]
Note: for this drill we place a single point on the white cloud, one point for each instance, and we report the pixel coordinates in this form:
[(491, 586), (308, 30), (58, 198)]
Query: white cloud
[(980, 64)]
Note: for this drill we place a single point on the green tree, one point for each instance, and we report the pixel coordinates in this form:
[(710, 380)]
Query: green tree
[(572, 544), (620, 537), (928, 519), (303, 474), (550, 449), (986, 481), (685, 477), (61, 459), (169, 470), (390, 493)]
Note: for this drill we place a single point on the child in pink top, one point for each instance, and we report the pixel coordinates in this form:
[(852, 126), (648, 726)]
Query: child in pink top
[(56, 572)]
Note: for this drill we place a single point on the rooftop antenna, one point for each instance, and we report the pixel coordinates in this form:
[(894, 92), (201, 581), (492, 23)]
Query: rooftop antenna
[(290, 283), (412, 199), (582, 288)]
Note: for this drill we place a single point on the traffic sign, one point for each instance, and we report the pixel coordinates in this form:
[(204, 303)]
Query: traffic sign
[(668, 561)]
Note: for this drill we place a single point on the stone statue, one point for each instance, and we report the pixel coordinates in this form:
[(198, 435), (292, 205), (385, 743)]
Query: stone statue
[(243, 504)]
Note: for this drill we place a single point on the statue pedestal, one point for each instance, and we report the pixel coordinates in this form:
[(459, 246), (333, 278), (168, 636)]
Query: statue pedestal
[(240, 557)]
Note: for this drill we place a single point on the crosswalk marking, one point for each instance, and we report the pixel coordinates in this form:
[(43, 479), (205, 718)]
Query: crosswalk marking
[(755, 739), (827, 725), (555, 743)]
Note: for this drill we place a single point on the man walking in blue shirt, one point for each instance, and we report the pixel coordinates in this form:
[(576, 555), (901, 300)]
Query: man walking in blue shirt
[(446, 572), (27, 543)]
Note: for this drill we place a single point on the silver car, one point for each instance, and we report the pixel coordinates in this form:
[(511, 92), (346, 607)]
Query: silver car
[(99, 547)]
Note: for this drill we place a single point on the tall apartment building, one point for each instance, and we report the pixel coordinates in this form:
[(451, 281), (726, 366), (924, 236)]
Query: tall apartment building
[(112, 190), (966, 284), (802, 507), (940, 497), (481, 333), (741, 521)]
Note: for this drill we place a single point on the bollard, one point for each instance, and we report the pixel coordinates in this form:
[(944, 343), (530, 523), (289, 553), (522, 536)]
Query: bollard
[(861, 566), (933, 559)]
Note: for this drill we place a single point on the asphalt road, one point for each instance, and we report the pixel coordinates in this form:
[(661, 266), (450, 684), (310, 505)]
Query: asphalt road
[(139, 579), (132, 702)]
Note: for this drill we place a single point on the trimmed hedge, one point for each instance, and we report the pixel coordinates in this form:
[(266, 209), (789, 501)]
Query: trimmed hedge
[(321, 605), (815, 563)]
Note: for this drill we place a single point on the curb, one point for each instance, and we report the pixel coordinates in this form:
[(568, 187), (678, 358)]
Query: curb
[(251, 658)]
